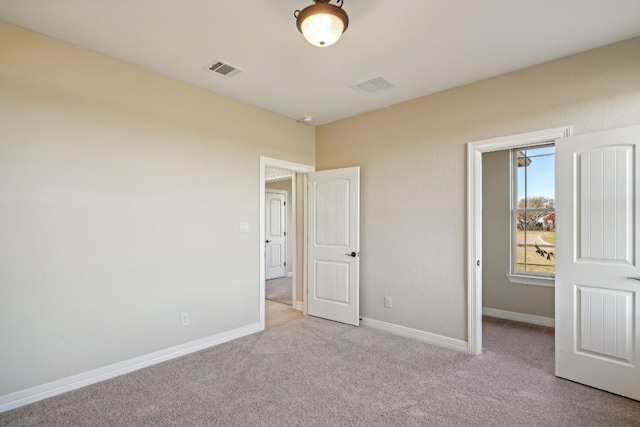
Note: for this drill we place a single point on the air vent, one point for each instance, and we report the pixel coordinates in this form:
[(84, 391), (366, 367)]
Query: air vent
[(374, 85), (223, 69)]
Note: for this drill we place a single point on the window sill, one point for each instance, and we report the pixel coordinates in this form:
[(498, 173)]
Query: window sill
[(522, 279)]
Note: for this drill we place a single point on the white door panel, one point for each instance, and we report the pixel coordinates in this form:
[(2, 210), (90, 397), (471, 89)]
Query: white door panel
[(334, 222), (597, 323), (275, 235)]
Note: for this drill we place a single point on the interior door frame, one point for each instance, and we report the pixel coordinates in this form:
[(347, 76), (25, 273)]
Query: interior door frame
[(266, 162), (474, 218), (287, 232)]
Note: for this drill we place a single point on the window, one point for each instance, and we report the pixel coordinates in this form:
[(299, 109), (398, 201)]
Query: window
[(533, 217)]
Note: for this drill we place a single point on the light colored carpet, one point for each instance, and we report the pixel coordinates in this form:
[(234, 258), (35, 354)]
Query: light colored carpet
[(279, 290), (312, 372)]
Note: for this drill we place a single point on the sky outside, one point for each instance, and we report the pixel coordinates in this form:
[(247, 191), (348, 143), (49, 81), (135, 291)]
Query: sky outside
[(540, 173)]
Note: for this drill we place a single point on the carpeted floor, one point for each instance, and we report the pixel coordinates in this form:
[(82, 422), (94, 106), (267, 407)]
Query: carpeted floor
[(279, 290), (312, 372)]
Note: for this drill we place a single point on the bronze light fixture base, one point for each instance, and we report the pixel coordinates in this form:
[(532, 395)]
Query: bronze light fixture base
[(322, 23)]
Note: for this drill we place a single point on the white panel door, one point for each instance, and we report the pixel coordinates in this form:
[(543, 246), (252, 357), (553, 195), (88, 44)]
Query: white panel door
[(275, 234), (598, 276), (334, 245)]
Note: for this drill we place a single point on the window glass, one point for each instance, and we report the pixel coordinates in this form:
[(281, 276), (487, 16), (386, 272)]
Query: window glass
[(533, 213), (536, 177)]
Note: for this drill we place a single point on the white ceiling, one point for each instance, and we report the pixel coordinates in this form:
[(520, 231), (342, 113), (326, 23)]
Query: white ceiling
[(423, 46)]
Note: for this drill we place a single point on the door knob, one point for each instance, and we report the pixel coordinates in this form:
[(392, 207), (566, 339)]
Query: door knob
[(352, 254), (634, 278), (268, 241)]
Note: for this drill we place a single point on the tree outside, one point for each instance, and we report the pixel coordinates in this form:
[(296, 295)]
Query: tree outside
[(532, 220)]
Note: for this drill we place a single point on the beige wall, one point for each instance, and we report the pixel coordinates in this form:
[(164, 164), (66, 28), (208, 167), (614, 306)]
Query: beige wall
[(286, 186), (497, 291), (113, 219), (413, 160)]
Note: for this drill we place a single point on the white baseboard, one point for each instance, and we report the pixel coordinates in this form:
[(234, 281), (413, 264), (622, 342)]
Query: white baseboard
[(290, 274), (298, 305), (63, 385), (417, 334), (519, 317)]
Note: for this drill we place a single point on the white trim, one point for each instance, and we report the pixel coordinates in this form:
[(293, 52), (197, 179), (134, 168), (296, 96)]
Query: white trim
[(523, 279), (474, 218), (528, 139), (474, 249), (277, 191), (305, 240), (519, 317), (279, 177), (284, 165), (298, 305), (416, 334), (293, 232), (63, 385)]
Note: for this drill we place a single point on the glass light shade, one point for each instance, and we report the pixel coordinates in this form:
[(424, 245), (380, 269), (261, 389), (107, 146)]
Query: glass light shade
[(322, 29)]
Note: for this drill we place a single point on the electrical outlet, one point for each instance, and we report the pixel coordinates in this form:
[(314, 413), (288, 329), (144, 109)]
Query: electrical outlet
[(387, 302), (184, 319)]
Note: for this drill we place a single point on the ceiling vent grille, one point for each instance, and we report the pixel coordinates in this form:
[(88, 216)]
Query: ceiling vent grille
[(223, 69), (374, 85)]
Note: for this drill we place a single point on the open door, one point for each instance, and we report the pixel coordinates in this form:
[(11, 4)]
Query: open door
[(598, 275), (334, 245)]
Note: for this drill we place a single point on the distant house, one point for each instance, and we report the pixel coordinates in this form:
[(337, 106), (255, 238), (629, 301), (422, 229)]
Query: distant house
[(549, 221)]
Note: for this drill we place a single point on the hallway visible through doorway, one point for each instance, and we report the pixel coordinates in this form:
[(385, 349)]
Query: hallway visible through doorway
[(279, 290)]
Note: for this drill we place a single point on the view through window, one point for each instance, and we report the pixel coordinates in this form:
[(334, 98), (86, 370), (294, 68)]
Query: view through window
[(533, 216)]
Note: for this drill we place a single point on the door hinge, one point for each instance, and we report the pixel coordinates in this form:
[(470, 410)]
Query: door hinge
[(285, 233), (285, 263), (285, 203)]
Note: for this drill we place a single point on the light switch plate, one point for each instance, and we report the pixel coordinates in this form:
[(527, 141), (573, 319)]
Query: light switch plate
[(244, 227)]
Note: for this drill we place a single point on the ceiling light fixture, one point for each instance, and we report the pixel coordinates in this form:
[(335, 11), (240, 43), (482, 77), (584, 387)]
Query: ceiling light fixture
[(322, 23)]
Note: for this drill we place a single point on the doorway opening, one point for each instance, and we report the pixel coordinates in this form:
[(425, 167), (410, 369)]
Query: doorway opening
[(477, 222), (518, 234), (280, 232), (286, 258)]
